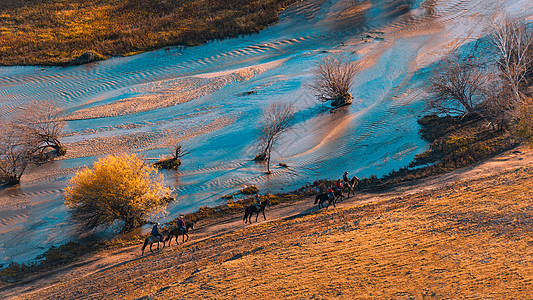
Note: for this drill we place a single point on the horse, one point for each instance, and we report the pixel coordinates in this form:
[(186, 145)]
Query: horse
[(154, 239), (321, 198), (351, 185), (256, 208), (337, 194), (176, 232)]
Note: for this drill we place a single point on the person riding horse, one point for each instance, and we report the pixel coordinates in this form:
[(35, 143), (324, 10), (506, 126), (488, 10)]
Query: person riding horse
[(181, 223), (345, 177), (156, 233), (329, 191), (338, 185)]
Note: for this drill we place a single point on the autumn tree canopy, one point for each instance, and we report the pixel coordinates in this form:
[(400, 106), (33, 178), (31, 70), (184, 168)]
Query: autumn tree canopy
[(117, 188)]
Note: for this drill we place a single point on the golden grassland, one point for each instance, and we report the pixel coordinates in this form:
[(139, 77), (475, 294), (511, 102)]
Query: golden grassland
[(470, 240), (51, 32)]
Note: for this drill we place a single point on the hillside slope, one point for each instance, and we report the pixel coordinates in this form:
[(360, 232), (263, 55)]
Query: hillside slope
[(463, 234)]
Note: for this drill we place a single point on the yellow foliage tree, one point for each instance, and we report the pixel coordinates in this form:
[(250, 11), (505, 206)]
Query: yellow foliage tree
[(117, 188)]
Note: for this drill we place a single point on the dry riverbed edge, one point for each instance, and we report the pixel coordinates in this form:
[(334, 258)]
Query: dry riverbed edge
[(462, 234)]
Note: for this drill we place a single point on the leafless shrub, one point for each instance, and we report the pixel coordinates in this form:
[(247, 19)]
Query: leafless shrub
[(177, 150), (42, 124), (276, 119), (333, 80), (499, 106), (15, 153), (456, 87), (514, 41)]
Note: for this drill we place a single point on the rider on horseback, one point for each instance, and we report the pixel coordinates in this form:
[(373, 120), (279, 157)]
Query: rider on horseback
[(257, 200), (156, 233), (329, 191), (338, 185), (345, 177), (181, 223)]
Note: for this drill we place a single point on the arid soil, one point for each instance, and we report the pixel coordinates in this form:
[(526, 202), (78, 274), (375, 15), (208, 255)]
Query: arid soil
[(466, 234)]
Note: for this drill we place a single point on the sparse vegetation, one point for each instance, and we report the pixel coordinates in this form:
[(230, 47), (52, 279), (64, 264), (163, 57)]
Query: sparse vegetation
[(42, 124), (454, 142), (15, 152), (168, 163), (275, 120), (514, 40), (524, 128), (62, 255), (117, 188), (456, 86), (59, 32), (333, 80), (175, 161), (237, 206), (249, 190), (26, 139)]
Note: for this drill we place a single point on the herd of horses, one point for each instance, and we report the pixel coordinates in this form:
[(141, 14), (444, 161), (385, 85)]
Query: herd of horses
[(347, 186), (320, 199)]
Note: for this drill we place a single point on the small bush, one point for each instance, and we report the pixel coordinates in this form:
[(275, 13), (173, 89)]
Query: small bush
[(168, 164), (333, 80), (13, 272), (249, 190)]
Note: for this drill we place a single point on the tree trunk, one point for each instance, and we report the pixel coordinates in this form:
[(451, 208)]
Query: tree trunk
[(268, 159)]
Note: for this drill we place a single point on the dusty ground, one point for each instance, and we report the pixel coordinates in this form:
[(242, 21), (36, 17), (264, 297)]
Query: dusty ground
[(467, 234)]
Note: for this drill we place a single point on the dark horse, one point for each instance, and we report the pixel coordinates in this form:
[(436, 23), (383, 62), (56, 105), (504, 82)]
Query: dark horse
[(176, 232), (351, 185), (322, 198), (257, 209), (337, 195), (154, 239)]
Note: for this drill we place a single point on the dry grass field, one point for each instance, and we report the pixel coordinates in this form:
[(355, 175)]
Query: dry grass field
[(470, 239), (52, 32)]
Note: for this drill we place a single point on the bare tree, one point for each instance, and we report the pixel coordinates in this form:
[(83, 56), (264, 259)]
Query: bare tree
[(514, 41), (41, 121), (276, 119), (16, 151), (177, 150), (456, 87), (333, 80), (175, 161)]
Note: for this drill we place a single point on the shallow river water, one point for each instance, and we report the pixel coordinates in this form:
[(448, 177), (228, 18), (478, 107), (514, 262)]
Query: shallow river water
[(210, 99)]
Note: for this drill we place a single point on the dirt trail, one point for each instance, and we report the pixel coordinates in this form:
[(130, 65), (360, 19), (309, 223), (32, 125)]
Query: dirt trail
[(125, 262)]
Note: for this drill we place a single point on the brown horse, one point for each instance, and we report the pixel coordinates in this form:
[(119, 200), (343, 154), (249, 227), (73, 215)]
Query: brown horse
[(257, 209), (154, 239), (351, 185), (176, 232)]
